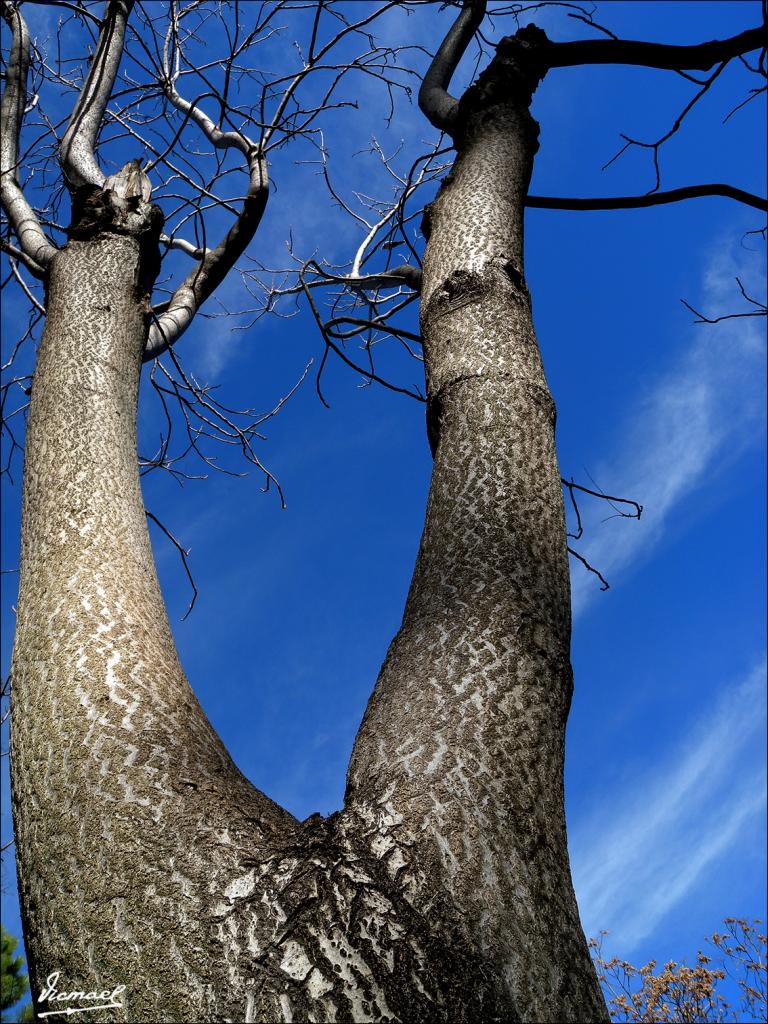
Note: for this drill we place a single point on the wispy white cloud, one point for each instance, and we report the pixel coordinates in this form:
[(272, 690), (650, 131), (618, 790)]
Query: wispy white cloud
[(652, 840), (700, 414), (216, 342)]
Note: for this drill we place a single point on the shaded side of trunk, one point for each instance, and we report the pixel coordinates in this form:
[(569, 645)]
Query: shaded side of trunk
[(457, 772), (127, 809)]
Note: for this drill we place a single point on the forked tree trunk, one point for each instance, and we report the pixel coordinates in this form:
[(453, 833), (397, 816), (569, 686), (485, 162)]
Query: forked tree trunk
[(442, 891)]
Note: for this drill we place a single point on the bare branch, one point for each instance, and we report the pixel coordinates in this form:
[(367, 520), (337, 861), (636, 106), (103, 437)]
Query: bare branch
[(654, 147), (183, 246), (35, 245), (760, 310), (313, 63), (369, 374), (613, 501), (80, 10), (204, 418), (405, 274), (610, 498), (78, 160), (605, 584), (35, 269), (214, 263), (213, 268), (672, 195), (753, 94), (220, 139), (435, 102), (183, 554), (25, 288), (697, 57)]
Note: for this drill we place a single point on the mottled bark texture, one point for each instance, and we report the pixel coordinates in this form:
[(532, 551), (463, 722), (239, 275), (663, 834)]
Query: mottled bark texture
[(464, 735), (442, 891)]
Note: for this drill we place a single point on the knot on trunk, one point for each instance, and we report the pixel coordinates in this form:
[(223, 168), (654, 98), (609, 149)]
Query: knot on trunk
[(510, 80), (460, 288), (121, 206)]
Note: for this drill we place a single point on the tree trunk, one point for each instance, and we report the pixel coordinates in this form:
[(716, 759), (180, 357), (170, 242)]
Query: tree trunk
[(463, 739), (129, 814), (442, 891)]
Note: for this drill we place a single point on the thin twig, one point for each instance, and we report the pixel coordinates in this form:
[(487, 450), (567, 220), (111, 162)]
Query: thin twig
[(183, 553)]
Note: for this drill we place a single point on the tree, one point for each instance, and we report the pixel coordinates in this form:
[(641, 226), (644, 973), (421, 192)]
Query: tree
[(451, 901), (681, 993), (13, 984)]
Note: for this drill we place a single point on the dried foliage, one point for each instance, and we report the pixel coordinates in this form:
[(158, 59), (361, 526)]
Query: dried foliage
[(678, 993)]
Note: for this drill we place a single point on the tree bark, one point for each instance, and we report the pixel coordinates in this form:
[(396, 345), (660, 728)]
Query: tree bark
[(128, 811), (463, 738), (442, 891)]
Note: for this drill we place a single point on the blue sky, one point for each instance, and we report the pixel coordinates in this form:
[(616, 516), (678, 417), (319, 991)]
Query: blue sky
[(665, 765)]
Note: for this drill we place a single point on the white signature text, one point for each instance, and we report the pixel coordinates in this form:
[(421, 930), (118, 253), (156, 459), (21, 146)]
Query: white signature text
[(104, 1000)]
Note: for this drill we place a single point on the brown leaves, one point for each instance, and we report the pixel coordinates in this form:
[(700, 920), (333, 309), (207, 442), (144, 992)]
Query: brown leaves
[(689, 995)]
